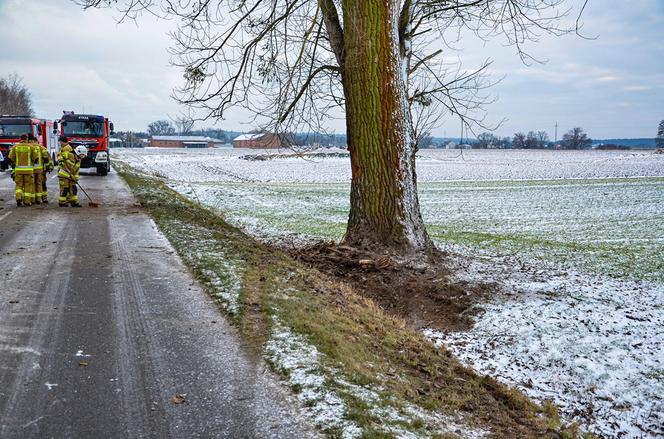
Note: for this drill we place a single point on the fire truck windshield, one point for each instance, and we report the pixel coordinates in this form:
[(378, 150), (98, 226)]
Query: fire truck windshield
[(14, 131), (84, 128)]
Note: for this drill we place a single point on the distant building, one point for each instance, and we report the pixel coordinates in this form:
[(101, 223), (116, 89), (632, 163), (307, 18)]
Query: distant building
[(184, 142), (261, 140), (114, 142), (452, 145)]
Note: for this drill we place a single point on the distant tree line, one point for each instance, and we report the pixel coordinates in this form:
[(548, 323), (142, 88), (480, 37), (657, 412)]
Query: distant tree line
[(659, 139), (319, 139), (15, 97), (532, 140), (130, 139), (575, 138), (184, 126), (161, 128)]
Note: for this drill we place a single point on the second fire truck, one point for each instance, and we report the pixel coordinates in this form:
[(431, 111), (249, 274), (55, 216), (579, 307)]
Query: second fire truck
[(93, 132)]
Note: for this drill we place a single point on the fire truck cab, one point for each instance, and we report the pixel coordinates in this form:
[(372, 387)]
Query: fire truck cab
[(11, 128), (91, 131)]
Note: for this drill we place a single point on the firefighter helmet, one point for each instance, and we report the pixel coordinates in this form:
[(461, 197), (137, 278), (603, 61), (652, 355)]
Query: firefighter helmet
[(81, 151)]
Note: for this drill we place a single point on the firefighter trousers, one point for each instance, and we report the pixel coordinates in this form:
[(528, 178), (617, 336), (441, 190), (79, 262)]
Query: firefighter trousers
[(40, 187), (24, 188), (44, 188), (68, 192)]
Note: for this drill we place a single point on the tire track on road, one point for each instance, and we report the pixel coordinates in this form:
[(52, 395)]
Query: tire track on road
[(135, 367), (34, 329)]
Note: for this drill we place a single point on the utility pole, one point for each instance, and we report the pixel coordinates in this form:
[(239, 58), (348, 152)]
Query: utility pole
[(555, 136)]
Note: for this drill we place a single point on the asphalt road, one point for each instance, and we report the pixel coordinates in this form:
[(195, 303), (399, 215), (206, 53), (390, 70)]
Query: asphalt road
[(101, 325)]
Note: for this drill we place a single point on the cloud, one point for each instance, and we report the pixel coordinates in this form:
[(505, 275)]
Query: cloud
[(85, 61), (636, 88), (585, 82), (75, 59)]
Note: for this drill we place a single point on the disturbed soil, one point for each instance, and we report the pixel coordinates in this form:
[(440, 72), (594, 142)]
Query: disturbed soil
[(419, 292)]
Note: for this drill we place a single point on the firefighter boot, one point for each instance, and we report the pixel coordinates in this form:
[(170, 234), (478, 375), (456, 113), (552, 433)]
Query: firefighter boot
[(73, 194)]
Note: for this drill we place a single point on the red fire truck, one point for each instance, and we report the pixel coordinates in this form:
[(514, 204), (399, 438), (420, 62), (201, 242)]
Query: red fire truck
[(11, 128), (91, 131)]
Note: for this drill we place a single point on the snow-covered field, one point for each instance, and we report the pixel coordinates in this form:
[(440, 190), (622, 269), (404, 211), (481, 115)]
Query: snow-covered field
[(222, 165), (576, 238)]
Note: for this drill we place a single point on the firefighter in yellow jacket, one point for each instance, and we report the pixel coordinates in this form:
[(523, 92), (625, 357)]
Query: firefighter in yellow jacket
[(64, 147), (69, 163), (23, 156), (42, 164)]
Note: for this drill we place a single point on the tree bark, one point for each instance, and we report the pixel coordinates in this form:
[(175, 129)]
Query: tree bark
[(384, 207)]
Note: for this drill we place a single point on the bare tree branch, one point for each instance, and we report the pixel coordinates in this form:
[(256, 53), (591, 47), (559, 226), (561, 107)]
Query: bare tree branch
[(283, 59)]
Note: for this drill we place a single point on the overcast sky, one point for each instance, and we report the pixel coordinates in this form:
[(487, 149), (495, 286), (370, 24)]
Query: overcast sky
[(82, 60)]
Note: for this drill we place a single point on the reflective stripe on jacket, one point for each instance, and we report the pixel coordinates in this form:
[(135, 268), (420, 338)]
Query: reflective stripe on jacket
[(23, 157), (43, 157), (39, 165), (68, 164)]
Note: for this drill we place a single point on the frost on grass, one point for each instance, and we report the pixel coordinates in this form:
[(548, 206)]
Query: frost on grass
[(274, 213), (614, 227), (221, 270), (611, 227), (300, 362), (322, 389), (592, 345)]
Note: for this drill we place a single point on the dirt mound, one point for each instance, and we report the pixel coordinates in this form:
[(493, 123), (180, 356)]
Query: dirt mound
[(419, 292)]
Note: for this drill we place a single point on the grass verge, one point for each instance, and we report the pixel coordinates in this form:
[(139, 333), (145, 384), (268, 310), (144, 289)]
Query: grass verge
[(360, 372), (604, 226)]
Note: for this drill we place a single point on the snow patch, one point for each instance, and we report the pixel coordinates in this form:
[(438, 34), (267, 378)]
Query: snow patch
[(223, 272), (592, 345), (225, 165), (302, 364)]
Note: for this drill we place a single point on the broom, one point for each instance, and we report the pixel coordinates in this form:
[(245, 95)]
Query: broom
[(90, 202)]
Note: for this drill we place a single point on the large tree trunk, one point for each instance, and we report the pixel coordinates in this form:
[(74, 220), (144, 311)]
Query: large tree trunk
[(384, 208)]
